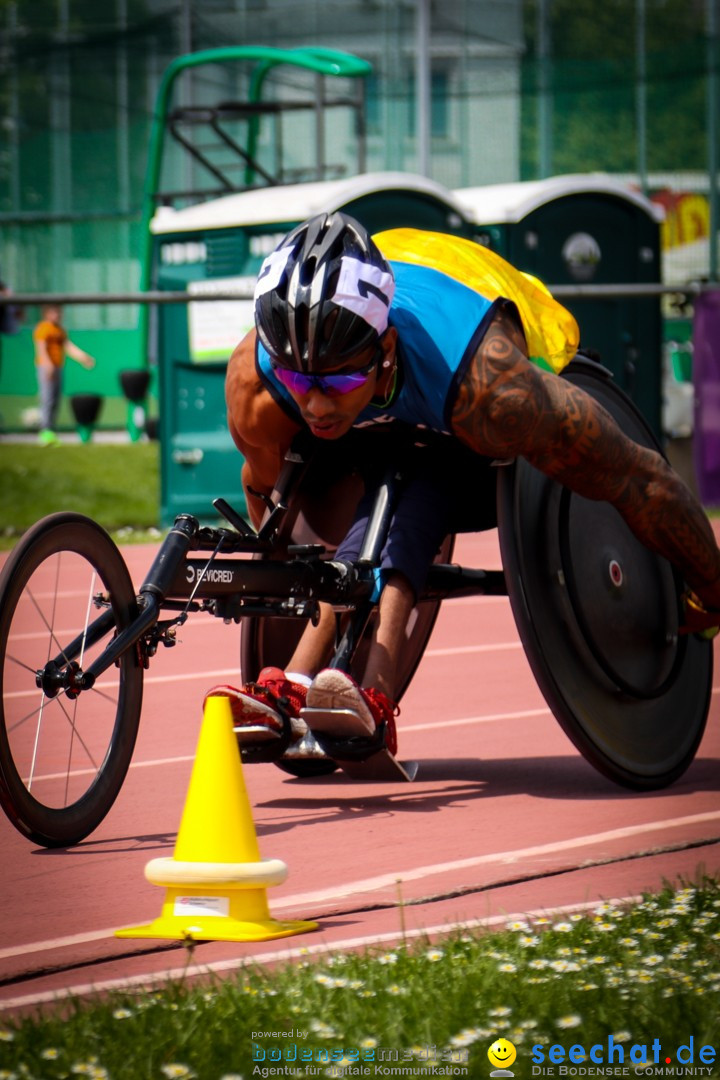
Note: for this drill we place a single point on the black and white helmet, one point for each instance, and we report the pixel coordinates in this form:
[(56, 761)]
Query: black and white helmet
[(323, 295)]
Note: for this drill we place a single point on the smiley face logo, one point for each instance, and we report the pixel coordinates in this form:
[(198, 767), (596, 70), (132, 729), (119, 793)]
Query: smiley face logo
[(502, 1054)]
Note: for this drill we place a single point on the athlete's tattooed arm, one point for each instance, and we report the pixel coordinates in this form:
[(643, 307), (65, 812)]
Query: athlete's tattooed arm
[(507, 407)]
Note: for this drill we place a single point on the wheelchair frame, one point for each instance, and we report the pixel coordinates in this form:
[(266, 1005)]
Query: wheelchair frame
[(625, 722)]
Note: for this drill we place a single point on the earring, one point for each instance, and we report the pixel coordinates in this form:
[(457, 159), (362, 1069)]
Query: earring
[(391, 387), (387, 363)]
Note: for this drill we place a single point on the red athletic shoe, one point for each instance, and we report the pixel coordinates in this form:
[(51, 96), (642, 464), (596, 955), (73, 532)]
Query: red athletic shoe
[(254, 707), (333, 689)]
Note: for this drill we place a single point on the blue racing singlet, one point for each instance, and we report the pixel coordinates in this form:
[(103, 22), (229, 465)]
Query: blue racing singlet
[(446, 293), (440, 323)]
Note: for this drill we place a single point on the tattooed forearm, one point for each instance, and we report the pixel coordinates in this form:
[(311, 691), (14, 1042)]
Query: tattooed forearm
[(506, 407)]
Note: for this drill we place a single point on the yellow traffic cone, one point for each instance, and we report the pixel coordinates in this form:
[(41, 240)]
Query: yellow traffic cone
[(216, 879)]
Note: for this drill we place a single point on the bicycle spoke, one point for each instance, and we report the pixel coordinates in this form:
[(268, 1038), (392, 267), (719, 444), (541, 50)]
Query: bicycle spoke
[(87, 617), (38, 711), (12, 728), (70, 752), (18, 724), (53, 640), (54, 602), (35, 745), (105, 696), (72, 724), (21, 663)]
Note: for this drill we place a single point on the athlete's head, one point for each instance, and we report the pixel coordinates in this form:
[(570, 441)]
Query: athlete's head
[(322, 297)]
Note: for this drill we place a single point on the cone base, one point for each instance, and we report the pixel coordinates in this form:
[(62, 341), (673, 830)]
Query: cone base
[(216, 878), (213, 929)]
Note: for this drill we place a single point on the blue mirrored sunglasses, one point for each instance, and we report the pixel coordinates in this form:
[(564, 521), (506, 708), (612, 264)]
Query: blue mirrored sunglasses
[(333, 384)]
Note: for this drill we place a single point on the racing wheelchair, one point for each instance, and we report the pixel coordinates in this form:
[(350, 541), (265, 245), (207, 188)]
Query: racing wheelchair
[(598, 616)]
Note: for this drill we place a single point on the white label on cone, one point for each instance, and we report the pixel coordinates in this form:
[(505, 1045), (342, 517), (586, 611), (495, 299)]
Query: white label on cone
[(202, 905)]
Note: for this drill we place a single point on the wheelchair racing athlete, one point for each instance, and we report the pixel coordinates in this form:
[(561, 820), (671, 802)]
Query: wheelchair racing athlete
[(422, 331)]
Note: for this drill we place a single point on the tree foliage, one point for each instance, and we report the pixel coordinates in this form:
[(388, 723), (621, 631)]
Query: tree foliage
[(594, 76)]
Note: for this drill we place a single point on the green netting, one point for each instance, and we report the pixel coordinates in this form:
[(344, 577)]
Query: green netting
[(77, 97)]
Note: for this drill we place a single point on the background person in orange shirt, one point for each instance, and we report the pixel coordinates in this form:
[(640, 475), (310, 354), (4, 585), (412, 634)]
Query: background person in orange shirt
[(52, 345)]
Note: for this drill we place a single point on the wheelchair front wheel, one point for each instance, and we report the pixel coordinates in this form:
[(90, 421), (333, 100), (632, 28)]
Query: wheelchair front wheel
[(63, 759)]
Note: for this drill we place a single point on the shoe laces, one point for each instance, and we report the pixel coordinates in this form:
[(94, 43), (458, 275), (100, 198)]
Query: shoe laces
[(381, 704), (278, 688), (384, 712)]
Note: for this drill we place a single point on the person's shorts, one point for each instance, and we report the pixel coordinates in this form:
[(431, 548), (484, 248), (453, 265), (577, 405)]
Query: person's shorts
[(447, 488)]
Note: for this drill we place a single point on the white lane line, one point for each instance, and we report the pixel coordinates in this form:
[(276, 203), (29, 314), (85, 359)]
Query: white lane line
[(42, 634), (93, 772), (479, 599), (302, 951), (435, 725), (234, 672), (459, 650), (383, 881), (41, 946), (489, 718), (185, 676), (195, 624), (419, 873)]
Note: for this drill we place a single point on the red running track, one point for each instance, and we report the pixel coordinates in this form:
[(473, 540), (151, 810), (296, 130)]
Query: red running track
[(505, 817)]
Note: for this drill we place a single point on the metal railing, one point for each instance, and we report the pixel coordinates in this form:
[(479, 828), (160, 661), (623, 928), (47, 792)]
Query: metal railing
[(560, 292)]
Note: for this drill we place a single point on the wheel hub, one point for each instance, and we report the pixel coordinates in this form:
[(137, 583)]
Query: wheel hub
[(52, 679), (623, 598), (616, 573)]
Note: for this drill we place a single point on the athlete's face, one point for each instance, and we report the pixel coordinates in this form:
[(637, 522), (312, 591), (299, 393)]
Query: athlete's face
[(330, 415)]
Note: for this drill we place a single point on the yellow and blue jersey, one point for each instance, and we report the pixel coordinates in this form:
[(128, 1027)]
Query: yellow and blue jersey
[(447, 290)]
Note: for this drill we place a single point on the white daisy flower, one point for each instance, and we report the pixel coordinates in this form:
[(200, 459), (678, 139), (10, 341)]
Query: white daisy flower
[(571, 1021)]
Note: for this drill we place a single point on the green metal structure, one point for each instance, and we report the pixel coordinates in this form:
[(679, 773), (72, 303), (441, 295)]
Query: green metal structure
[(323, 62), (198, 244)]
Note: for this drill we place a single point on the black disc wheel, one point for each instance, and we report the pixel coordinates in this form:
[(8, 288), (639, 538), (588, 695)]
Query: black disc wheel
[(598, 616), (65, 592)]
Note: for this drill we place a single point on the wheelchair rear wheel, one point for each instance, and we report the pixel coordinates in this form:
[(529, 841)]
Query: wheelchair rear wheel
[(598, 616)]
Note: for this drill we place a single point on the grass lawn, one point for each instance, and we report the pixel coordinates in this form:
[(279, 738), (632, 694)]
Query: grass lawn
[(636, 986), (117, 485)]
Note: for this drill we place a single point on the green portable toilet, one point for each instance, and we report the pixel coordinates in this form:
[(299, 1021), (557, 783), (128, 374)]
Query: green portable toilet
[(579, 230), (218, 247)]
